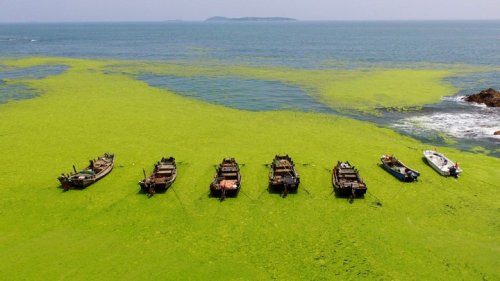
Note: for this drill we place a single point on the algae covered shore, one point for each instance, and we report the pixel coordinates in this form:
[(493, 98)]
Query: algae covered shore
[(434, 229)]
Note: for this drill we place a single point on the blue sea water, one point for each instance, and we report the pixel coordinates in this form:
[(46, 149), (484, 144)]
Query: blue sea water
[(298, 44), (12, 89), (311, 45), (253, 95)]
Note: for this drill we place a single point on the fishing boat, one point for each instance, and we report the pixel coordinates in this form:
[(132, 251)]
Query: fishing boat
[(283, 174), (227, 180), (398, 168), (162, 177), (96, 170), (346, 180), (442, 164)]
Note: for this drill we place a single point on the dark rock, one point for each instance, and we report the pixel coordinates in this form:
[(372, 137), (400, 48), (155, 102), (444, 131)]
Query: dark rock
[(490, 97), (497, 133)]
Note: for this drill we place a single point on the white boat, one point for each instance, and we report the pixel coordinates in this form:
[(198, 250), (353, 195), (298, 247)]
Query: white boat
[(441, 163)]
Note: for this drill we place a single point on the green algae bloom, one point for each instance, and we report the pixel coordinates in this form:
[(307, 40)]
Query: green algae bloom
[(437, 228)]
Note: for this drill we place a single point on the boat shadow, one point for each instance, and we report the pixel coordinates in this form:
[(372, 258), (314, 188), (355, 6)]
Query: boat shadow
[(381, 166), (229, 194), (142, 192), (280, 191), (424, 160), (63, 190), (348, 198)]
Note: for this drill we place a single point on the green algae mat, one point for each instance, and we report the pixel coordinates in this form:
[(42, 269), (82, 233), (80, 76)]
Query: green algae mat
[(437, 228)]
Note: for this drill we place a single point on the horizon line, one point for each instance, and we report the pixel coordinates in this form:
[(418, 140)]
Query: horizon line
[(205, 20)]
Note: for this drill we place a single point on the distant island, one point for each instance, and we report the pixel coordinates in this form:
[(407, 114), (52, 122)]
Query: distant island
[(250, 19)]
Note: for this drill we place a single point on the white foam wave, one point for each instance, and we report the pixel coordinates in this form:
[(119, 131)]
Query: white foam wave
[(454, 98), (460, 125), (461, 100), (18, 40)]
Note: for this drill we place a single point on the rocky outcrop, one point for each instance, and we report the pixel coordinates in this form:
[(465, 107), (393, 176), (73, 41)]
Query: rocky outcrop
[(497, 133), (490, 97)]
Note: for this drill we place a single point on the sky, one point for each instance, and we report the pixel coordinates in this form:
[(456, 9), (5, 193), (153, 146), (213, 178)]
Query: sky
[(195, 10)]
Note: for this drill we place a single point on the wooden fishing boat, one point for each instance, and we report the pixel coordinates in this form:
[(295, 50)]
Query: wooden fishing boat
[(96, 170), (283, 174), (227, 180), (442, 164), (346, 180), (398, 169), (162, 177)]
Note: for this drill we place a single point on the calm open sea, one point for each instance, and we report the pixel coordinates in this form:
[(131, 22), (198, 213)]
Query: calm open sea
[(312, 45)]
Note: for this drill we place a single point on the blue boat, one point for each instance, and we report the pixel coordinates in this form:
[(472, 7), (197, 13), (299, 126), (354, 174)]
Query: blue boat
[(399, 169)]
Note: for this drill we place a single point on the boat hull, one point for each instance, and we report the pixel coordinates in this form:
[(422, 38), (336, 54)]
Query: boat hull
[(84, 178), (157, 187), (346, 181), (443, 165), (398, 169), (227, 179), (162, 177), (346, 191), (216, 190), (292, 185), (283, 176)]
